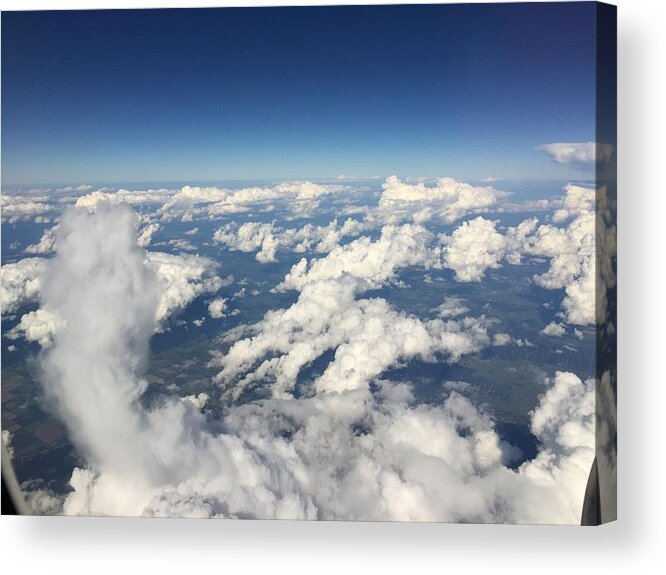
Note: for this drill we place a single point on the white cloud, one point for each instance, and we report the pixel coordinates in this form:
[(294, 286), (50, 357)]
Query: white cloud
[(451, 307), (217, 307), (46, 243), (302, 197), (249, 237), (475, 246), (576, 200), (572, 264), (199, 401), (197, 195), (267, 238), (16, 208), (39, 326), (181, 245), (554, 329), (373, 262), (500, 339), (353, 177), (564, 424), (368, 336), (573, 252), (579, 153), (472, 248), (20, 283), (80, 188), (146, 234), (131, 197), (448, 199), (182, 278), (517, 240)]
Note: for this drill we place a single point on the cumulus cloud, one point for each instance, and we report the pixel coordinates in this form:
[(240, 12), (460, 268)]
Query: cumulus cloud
[(217, 307), (554, 329), (21, 282), (576, 200), (131, 197), (16, 208), (267, 238), (249, 237), (45, 245), (146, 234), (451, 307), (572, 264), (368, 337), (182, 278), (38, 326), (199, 401), (564, 424), (300, 197), (500, 339), (373, 262), (579, 153), (81, 188), (448, 199), (573, 252), (472, 248), (475, 246)]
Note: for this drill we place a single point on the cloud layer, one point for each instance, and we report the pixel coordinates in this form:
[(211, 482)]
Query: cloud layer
[(361, 451)]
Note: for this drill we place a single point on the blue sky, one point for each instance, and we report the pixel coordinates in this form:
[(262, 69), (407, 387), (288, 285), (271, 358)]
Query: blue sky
[(468, 91)]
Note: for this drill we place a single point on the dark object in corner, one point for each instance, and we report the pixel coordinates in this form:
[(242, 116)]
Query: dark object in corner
[(591, 514)]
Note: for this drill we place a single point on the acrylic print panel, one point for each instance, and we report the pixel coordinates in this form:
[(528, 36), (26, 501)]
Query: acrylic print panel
[(332, 263)]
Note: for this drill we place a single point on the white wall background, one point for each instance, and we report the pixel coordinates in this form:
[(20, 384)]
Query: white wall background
[(634, 544)]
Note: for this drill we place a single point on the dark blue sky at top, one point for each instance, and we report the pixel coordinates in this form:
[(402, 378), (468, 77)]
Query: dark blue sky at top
[(211, 94)]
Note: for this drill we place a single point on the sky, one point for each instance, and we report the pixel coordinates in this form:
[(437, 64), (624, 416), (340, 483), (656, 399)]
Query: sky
[(468, 91)]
